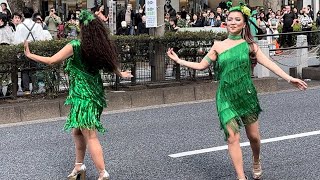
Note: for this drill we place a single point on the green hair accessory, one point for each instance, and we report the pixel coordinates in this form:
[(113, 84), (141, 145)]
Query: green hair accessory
[(242, 8), (86, 17)]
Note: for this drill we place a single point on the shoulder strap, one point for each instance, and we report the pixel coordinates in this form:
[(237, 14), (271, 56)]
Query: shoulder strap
[(30, 31)]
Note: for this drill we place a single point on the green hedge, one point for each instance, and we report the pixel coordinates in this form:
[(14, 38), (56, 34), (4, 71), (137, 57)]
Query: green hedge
[(49, 48)]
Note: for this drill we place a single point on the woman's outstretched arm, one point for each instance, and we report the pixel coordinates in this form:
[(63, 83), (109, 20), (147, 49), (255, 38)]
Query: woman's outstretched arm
[(60, 56), (211, 56), (266, 62)]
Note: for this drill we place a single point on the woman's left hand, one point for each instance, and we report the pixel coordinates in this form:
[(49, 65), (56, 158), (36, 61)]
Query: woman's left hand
[(299, 83), (126, 74), (26, 49)]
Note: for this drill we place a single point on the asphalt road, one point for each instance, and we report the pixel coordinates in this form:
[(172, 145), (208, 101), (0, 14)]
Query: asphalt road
[(138, 143)]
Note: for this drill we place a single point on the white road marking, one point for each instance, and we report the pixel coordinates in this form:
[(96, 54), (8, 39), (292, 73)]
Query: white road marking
[(220, 148)]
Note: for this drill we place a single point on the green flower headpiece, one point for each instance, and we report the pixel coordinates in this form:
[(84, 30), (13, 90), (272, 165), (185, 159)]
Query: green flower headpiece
[(242, 8), (86, 17)]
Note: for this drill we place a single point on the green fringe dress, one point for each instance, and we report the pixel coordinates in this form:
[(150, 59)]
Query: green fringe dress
[(86, 94), (236, 97)]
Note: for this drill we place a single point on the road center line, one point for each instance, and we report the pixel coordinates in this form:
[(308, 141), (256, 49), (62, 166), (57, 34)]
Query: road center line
[(219, 148)]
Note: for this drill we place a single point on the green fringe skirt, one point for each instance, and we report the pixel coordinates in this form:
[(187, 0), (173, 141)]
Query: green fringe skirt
[(84, 114)]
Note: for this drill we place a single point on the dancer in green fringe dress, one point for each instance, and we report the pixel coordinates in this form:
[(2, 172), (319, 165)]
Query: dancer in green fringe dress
[(85, 58), (236, 97)]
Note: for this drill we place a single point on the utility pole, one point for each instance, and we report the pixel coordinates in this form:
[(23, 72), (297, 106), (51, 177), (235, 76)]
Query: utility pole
[(157, 61)]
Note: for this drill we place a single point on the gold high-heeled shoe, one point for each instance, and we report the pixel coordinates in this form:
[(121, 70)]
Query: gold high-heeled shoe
[(82, 173), (105, 176), (256, 170), (245, 178)]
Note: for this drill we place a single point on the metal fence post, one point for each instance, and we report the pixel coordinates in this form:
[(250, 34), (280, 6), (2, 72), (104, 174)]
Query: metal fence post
[(14, 79), (159, 62), (302, 54), (260, 70)]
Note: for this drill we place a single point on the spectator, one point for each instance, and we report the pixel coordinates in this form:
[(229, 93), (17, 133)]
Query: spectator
[(72, 28), (173, 25), (278, 15), (6, 33), (288, 21), (212, 18), (181, 23), (226, 13), (129, 18), (219, 12), (205, 19), (295, 12), (6, 11), (16, 20), (306, 23), (46, 34), (30, 31), (269, 13), (169, 9), (142, 29), (167, 21), (318, 25), (183, 13), (188, 20), (138, 17), (273, 22), (52, 22), (38, 19), (218, 21), (262, 24), (310, 12), (6, 38), (123, 30), (196, 22)]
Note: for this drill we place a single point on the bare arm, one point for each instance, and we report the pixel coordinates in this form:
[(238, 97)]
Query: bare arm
[(60, 56), (205, 62), (266, 62)]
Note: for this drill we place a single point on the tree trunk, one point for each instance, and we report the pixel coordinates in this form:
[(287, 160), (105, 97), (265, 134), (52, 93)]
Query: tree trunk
[(17, 5)]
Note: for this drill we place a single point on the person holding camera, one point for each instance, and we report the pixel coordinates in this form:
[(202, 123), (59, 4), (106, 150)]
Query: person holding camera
[(52, 21), (289, 18), (306, 23)]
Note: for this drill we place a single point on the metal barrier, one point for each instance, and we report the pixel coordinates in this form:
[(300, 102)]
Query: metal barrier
[(146, 60)]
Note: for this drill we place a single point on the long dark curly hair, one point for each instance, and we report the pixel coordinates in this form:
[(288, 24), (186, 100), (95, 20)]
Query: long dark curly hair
[(97, 50)]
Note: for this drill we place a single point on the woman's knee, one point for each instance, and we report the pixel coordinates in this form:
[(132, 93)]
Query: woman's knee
[(253, 137), (234, 138), (89, 134)]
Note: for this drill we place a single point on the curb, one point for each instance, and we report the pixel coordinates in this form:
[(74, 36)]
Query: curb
[(118, 100)]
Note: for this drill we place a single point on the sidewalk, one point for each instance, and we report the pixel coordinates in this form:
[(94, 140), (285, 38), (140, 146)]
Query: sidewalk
[(12, 111)]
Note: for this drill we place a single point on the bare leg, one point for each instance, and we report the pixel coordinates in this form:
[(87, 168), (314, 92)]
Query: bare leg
[(253, 135), (80, 145), (94, 148), (235, 152), (254, 138)]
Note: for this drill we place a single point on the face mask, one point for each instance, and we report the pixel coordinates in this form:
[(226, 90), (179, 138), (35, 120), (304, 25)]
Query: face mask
[(140, 11)]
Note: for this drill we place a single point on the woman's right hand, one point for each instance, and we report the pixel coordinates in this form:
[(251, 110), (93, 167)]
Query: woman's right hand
[(172, 55), (26, 49)]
